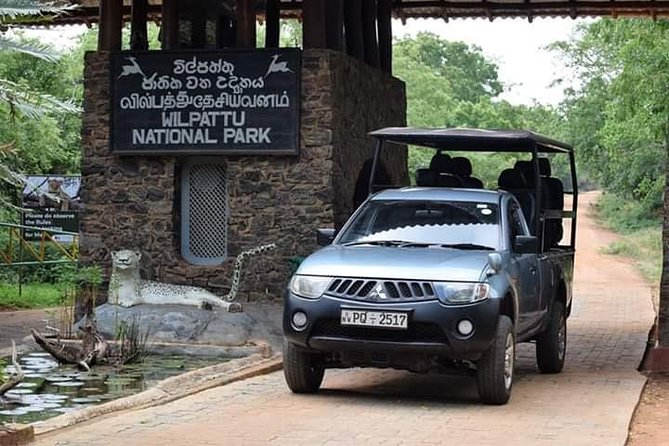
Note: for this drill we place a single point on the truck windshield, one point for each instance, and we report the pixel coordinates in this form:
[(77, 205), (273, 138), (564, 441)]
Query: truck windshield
[(456, 224)]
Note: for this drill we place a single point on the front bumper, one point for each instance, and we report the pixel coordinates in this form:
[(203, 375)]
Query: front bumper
[(431, 328)]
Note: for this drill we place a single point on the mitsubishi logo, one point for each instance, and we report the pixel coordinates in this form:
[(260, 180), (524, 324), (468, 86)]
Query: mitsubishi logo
[(378, 292)]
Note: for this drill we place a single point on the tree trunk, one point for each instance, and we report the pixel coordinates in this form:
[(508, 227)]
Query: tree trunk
[(663, 316)]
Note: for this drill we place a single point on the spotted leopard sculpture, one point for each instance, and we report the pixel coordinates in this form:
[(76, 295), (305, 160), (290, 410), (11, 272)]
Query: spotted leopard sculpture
[(127, 289)]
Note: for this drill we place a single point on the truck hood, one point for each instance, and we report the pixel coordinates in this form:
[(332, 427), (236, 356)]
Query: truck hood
[(380, 262)]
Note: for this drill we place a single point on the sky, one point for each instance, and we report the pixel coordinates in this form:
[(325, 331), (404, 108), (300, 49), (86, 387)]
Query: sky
[(526, 67), (518, 48)]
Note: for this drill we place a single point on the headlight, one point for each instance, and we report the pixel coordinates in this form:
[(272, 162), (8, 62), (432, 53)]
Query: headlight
[(309, 287), (461, 292)]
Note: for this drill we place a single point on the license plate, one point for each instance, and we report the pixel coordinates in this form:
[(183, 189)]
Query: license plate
[(366, 318)]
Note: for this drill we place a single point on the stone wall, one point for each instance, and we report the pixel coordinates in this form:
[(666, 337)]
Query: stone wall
[(132, 201)]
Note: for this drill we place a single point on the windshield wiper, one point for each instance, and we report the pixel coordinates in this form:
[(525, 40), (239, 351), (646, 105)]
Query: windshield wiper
[(471, 246), (398, 243)]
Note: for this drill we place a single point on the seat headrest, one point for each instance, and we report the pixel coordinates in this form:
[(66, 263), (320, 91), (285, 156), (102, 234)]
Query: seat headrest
[(426, 177), (544, 167), (448, 181), (511, 179), (440, 162), (460, 166), (527, 169)]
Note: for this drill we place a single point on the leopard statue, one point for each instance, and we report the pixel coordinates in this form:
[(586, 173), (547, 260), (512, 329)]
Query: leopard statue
[(127, 289)]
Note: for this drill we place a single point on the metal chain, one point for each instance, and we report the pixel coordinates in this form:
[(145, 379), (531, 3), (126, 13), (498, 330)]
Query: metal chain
[(237, 273)]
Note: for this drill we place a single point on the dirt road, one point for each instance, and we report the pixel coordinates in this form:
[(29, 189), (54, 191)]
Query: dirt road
[(590, 403)]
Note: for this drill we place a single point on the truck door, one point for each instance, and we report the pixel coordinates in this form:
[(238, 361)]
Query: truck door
[(528, 273)]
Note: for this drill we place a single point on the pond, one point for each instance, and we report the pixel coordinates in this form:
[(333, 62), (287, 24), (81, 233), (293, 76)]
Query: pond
[(50, 389)]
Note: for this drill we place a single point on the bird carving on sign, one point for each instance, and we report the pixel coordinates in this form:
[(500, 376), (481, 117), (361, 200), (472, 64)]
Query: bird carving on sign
[(133, 68), (277, 67)]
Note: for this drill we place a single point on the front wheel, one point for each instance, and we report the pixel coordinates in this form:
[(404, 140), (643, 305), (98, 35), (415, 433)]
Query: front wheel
[(494, 376), (552, 343), (303, 371)]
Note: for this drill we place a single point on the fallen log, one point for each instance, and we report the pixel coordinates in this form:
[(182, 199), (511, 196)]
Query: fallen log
[(15, 378), (63, 353)]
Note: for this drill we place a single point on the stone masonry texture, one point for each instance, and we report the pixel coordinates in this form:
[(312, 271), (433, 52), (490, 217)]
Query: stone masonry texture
[(132, 202)]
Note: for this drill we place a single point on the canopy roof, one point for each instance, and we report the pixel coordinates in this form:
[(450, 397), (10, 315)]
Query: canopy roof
[(472, 140), (88, 11)]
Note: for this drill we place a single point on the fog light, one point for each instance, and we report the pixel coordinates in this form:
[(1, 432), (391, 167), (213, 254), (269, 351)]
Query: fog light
[(299, 320), (465, 327)]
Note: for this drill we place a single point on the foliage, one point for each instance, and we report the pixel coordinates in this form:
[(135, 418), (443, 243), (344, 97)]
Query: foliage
[(132, 343), (619, 118), (33, 295), (290, 34), (451, 84), (641, 240)]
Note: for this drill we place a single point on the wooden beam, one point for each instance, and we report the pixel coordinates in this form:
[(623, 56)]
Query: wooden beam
[(369, 33), (313, 24), (198, 31), (334, 24), (170, 25), (139, 39), (384, 11), (353, 28), (111, 22), (246, 24), (272, 23)]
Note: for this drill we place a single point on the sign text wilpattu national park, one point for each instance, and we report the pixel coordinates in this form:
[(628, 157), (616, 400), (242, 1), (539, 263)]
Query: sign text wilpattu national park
[(206, 102)]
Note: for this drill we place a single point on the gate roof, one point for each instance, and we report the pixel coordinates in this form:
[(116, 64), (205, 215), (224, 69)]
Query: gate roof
[(88, 12)]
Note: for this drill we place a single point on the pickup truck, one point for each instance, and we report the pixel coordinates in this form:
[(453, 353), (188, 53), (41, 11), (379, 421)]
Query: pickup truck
[(444, 276)]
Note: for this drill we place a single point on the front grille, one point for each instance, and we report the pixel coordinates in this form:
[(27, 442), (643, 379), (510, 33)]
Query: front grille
[(381, 290), (417, 332)]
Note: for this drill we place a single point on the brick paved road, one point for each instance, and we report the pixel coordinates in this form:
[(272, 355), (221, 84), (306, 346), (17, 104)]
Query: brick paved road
[(590, 403)]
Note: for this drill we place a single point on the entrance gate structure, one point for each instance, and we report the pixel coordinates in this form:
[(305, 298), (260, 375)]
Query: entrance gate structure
[(345, 89)]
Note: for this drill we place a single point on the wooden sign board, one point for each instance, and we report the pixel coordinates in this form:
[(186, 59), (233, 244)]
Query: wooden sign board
[(206, 102)]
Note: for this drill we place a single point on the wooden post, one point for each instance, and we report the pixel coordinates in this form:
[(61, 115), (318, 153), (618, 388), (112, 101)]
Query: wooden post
[(198, 35), (111, 22), (369, 32), (334, 24), (384, 10), (353, 28), (226, 32), (272, 23), (313, 23), (246, 24), (138, 35), (170, 25)]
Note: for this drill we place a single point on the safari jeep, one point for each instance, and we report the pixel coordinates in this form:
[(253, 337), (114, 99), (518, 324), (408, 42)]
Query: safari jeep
[(445, 276)]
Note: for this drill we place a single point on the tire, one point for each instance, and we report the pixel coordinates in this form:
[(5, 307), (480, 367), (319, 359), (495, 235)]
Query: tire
[(552, 343), (303, 371), (494, 376)]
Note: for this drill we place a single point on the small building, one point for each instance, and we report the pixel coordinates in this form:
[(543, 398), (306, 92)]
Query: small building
[(192, 185)]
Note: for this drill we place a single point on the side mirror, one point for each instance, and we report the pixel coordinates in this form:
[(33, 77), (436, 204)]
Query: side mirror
[(324, 237), (495, 261), (526, 244)]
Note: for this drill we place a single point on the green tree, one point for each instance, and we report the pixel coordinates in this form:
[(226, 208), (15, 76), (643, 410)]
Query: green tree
[(20, 102), (451, 84)]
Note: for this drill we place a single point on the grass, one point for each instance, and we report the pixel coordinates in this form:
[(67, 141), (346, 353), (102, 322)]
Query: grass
[(33, 295), (644, 246), (641, 236)]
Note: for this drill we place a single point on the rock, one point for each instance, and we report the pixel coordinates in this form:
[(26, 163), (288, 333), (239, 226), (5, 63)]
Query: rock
[(182, 323)]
